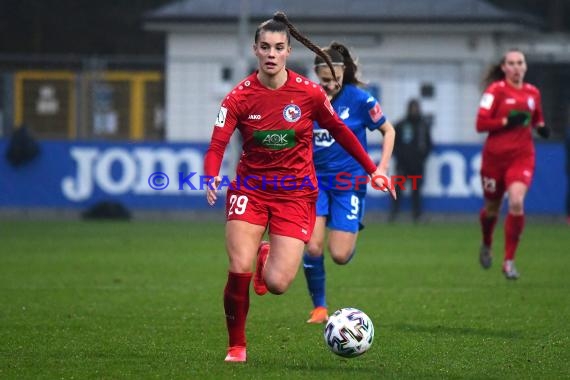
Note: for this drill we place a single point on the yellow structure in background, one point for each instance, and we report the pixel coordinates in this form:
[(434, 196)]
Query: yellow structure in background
[(56, 104), (66, 80)]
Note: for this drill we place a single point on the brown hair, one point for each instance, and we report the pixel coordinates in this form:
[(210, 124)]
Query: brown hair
[(273, 25), (495, 72), (340, 54), (280, 23)]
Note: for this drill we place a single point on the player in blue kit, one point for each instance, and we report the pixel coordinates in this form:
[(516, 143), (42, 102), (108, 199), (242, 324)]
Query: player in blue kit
[(340, 204)]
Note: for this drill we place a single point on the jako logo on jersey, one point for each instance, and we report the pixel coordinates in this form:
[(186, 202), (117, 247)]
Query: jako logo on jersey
[(291, 113), (275, 140), (254, 117)]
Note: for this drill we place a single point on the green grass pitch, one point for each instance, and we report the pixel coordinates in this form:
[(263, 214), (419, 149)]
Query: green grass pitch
[(102, 300)]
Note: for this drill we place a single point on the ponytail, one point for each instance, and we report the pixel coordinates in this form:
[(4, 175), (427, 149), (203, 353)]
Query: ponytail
[(281, 17)]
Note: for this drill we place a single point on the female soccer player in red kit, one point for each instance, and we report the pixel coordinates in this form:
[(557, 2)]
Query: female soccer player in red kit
[(508, 110), (276, 186)]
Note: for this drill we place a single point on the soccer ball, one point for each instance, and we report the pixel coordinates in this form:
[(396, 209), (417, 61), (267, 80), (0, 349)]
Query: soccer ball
[(349, 332)]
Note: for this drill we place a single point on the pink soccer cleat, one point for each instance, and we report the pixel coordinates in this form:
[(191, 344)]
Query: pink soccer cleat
[(258, 282), (236, 354)]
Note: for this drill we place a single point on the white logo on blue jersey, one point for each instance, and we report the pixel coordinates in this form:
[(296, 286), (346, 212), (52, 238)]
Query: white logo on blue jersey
[(323, 138), (343, 112)]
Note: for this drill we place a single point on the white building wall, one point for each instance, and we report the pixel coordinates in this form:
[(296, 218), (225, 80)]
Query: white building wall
[(398, 63), (194, 84)]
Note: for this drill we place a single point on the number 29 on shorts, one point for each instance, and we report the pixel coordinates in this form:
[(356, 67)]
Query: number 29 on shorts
[(237, 204)]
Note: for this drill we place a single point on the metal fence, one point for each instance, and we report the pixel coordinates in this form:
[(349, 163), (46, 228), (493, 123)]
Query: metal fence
[(77, 100), (125, 99)]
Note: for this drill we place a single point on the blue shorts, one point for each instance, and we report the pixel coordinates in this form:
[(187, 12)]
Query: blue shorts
[(344, 209)]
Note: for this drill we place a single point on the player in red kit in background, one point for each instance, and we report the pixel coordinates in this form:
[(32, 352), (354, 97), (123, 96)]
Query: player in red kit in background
[(276, 186), (508, 111)]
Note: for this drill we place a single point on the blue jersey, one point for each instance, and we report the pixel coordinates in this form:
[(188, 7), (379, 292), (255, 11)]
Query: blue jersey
[(359, 111)]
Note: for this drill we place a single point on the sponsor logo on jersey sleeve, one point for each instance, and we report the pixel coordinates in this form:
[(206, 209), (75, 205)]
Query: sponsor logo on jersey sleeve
[(291, 113), (487, 101), (375, 113), (531, 103), (221, 119)]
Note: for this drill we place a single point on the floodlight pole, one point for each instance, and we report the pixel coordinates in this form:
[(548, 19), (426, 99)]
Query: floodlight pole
[(243, 40), (240, 71)]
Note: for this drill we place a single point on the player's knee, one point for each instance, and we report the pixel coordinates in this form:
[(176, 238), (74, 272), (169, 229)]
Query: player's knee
[(278, 284), (239, 265), (276, 288), (492, 208), (516, 206), (340, 260), (314, 248), (341, 257)]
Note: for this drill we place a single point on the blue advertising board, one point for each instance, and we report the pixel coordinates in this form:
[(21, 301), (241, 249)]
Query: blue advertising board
[(76, 175)]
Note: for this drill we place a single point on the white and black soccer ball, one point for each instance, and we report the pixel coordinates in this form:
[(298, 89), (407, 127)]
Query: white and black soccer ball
[(349, 332)]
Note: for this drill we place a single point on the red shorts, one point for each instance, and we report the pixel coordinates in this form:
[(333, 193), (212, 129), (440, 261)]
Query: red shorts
[(498, 175), (294, 217)]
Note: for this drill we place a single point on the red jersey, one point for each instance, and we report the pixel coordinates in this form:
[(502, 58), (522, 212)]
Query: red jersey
[(277, 131), (499, 100)]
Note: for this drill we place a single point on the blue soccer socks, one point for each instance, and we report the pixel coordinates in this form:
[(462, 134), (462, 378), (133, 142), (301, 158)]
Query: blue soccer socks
[(314, 268)]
